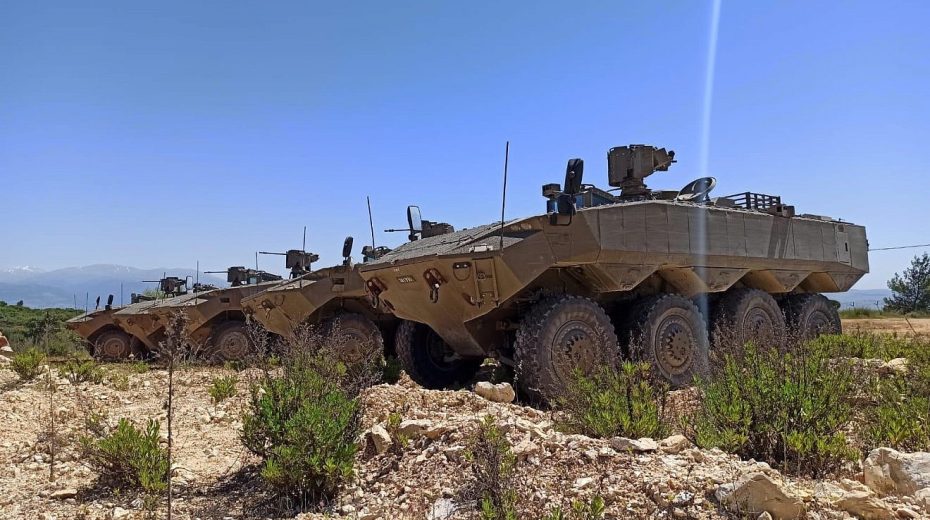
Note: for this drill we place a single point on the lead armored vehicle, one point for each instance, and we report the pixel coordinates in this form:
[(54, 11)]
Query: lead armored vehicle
[(556, 292), (215, 321), (103, 337)]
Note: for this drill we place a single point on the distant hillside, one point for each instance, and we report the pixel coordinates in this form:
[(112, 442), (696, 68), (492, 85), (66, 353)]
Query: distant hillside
[(72, 285)]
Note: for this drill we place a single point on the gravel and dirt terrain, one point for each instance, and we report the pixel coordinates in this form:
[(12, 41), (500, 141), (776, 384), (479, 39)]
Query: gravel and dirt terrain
[(214, 475)]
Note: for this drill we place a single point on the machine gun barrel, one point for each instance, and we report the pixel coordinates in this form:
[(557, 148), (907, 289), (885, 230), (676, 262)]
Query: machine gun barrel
[(271, 253)]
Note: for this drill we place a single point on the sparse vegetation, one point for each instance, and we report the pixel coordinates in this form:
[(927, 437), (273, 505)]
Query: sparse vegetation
[(392, 370), (305, 422), (222, 388), (785, 408), (139, 367), (26, 327), (592, 509), (81, 371), (492, 467), (28, 363), (901, 415), (393, 428), (627, 401), (128, 457)]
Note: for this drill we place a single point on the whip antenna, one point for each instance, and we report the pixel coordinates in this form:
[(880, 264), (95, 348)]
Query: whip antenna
[(504, 196), (304, 246), (371, 222)]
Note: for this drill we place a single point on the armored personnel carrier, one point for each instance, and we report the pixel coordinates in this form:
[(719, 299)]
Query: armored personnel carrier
[(215, 321), (603, 270), (330, 297), (104, 339)]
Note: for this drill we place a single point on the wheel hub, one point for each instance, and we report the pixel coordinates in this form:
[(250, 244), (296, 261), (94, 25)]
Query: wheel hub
[(575, 348), (114, 348), (234, 345), (674, 346)]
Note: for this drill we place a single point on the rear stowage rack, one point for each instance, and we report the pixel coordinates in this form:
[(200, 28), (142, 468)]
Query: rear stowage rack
[(756, 201)]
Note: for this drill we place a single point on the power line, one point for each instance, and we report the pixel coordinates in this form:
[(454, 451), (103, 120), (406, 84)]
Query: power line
[(899, 247)]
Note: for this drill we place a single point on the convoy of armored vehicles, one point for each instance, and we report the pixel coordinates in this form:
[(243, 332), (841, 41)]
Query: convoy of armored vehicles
[(627, 271)]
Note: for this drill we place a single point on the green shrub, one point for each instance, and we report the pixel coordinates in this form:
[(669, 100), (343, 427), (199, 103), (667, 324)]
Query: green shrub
[(391, 371), (627, 401), (901, 416), (592, 509), (785, 408), (492, 465), (129, 457), (223, 388), (28, 363), (119, 381), (139, 367), (304, 425), (80, 371)]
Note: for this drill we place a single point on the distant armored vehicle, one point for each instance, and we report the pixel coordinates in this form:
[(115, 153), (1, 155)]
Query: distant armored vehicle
[(330, 297), (215, 321), (553, 293), (104, 338)]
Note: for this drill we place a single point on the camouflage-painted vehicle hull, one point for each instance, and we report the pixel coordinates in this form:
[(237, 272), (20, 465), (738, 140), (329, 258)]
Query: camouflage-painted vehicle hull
[(103, 338), (327, 299), (558, 291), (215, 320)]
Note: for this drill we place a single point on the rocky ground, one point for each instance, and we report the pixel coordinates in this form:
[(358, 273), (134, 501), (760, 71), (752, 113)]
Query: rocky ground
[(214, 475)]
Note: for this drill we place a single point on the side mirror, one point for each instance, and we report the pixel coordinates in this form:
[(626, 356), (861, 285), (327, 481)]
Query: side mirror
[(565, 204), (414, 219), (573, 175), (347, 247)]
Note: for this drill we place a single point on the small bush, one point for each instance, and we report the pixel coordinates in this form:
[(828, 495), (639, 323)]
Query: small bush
[(305, 423), (393, 428), (869, 345), (129, 457), (139, 367), (492, 465), (28, 363), (592, 509), (785, 408), (391, 371), (627, 401), (80, 371), (223, 388), (901, 416), (119, 382)]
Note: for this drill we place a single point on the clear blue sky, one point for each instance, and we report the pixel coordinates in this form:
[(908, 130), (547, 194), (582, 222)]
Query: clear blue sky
[(162, 133)]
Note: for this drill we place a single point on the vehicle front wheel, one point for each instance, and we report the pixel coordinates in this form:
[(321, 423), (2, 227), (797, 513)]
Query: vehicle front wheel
[(557, 337), (230, 342), (112, 345)]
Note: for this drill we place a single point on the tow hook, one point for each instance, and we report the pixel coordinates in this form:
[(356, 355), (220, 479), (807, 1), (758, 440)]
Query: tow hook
[(434, 279), (375, 288)]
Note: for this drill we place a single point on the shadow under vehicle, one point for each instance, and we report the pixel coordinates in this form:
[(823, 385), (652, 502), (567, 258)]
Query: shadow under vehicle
[(103, 337), (602, 273), (215, 322)]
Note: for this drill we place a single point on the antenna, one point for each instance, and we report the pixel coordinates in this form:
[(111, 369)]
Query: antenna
[(86, 301), (256, 260), (197, 280), (504, 196), (121, 294), (371, 222), (304, 246)]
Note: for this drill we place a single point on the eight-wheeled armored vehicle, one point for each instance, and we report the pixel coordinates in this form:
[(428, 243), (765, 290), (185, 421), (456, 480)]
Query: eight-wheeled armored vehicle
[(104, 338), (333, 298), (556, 292), (215, 321)]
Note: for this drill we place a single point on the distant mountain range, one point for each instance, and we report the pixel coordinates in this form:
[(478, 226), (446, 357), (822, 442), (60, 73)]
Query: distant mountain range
[(72, 286)]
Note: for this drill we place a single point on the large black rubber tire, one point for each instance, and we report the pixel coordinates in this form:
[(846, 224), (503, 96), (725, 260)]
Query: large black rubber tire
[(428, 360), (558, 336), (359, 340), (744, 315), (811, 315), (113, 345), (668, 331), (230, 342)]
